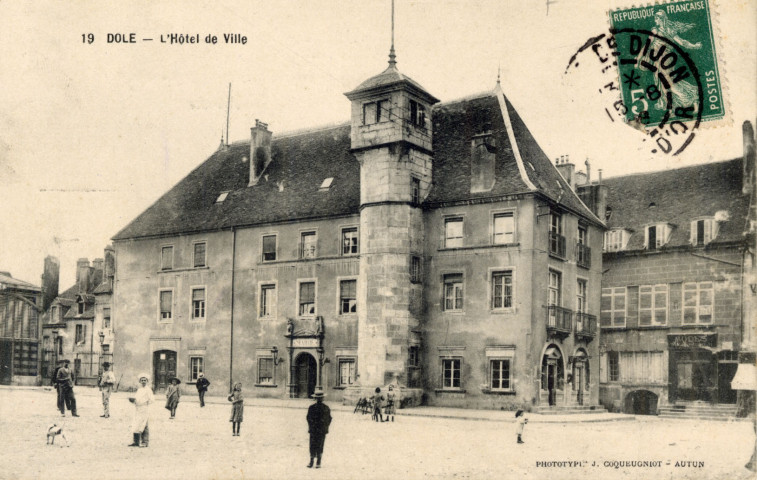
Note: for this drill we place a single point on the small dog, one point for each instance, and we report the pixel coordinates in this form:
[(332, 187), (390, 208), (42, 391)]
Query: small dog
[(53, 431)]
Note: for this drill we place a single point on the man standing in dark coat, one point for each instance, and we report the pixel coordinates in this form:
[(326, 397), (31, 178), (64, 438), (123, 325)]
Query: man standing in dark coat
[(54, 380), (66, 385), (202, 387), (319, 419)]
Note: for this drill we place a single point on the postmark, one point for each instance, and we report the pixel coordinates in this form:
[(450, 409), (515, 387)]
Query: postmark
[(668, 68)]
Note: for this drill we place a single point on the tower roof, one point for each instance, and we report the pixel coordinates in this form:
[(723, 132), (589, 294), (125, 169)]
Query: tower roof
[(390, 79)]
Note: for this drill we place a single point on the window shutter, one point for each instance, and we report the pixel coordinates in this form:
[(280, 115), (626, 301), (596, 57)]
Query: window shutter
[(198, 294), (693, 233), (603, 368)]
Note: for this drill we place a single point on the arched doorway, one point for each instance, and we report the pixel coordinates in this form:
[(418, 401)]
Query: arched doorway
[(305, 375), (164, 368), (641, 402), (552, 374), (580, 375)]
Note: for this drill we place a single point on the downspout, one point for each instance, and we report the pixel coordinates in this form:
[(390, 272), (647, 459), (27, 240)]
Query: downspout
[(231, 339)]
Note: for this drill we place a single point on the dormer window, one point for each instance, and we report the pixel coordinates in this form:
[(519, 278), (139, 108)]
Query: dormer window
[(81, 307), (616, 240), (417, 114), (375, 112), (656, 236), (326, 184), (703, 231), (222, 197)]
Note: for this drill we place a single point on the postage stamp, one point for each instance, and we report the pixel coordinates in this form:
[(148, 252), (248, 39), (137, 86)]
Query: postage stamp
[(667, 64)]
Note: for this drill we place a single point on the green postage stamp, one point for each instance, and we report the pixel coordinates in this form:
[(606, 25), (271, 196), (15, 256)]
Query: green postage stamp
[(667, 63)]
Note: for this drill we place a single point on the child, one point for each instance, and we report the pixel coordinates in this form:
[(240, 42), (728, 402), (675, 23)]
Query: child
[(521, 419), (391, 406), (172, 396), (237, 409), (378, 402)]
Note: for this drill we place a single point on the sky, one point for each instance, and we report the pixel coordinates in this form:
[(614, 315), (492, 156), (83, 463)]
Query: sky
[(91, 134)]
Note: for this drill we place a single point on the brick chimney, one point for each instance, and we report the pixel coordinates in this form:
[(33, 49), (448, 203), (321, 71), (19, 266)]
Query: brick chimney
[(567, 170), (260, 150), (97, 272), (50, 277), (82, 274), (110, 265)]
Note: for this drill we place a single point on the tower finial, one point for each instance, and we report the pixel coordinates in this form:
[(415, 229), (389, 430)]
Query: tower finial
[(392, 56), (499, 71)]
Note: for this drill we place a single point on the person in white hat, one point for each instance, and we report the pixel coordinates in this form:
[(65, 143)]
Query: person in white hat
[(142, 400)]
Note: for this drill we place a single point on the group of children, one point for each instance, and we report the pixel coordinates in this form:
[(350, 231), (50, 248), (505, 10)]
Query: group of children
[(173, 394), (389, 407)]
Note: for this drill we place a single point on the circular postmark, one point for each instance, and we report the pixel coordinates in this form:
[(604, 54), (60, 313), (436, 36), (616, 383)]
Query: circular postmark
[(650, 82)]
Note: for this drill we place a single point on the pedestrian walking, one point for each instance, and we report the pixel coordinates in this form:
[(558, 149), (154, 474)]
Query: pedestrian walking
[(391, 403), (202, 387), (66, 386), (237, 409), (140, 424), (107, 382), (378, 404), (319, 419), (520, 418), (173, 393)]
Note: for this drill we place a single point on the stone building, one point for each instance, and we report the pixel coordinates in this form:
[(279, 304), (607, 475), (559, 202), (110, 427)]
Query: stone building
[(673, 305), (76, 326), (429, 244), (20, 304)]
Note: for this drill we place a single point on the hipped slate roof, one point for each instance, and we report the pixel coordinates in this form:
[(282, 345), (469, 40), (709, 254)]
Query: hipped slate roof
[(678, 197), (9, 281), (289, 188)]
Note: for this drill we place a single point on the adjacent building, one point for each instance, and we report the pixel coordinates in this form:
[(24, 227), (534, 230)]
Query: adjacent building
[(430, 244), (675, 301), (77, 324), (20, 305)]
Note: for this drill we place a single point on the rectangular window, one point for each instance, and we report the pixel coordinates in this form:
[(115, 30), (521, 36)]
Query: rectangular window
[(580, 296), (54, 315), (346, 372), (502, 290), (199, 255), (703, 231), (106, 317), (653, 305), (656, 236), (198, 303), (166, 304), (613, 366), (369, 113), (415, 190), (451, 373), (652, 238), (348, 296), (413, 358), (613, 309), (642, 367), (582, 235), (504, 228), (500, 374), (80, 307), (269, 248), (308, 244), (417, 114), (555, 288), (555, 223), (267, 300), (415, 269), (265, 371), (453, 292), (81, 334), (166, 258), (615, 240), (350, 241), (697, 302), (196, 367), (307, 298), (453, 232)]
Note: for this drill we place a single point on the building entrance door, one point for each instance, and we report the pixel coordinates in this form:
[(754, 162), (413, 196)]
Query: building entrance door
[(305, 375), (578, 383), (696, 376), (6, 357), (164, 368), (551, 374)]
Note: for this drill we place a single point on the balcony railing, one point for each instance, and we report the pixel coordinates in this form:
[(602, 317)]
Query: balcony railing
[(583, 255), (556, 245), (586, 326), (559, 320)]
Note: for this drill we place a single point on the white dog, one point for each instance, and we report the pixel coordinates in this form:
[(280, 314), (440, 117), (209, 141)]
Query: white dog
[(53, 431)]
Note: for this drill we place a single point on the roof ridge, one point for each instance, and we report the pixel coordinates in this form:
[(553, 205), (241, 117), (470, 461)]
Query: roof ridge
[(685, 167)]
